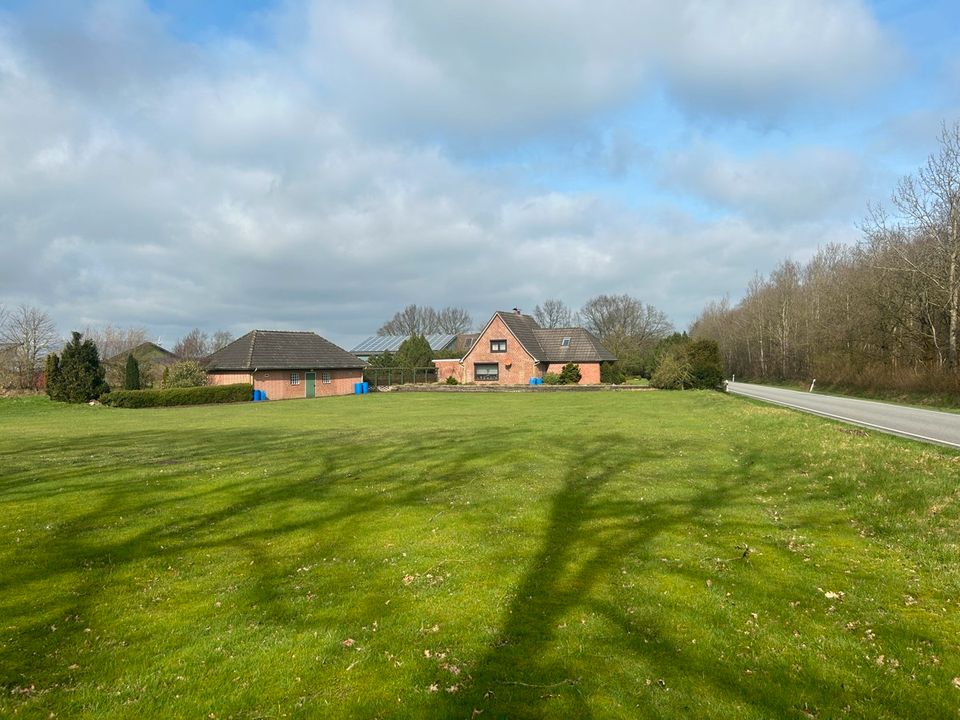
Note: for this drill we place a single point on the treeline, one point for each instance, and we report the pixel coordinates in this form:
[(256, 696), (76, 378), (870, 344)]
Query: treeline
[(28, 335), (879, 317)]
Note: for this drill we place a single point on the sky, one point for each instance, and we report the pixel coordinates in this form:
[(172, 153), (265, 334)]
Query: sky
[(320, 164)]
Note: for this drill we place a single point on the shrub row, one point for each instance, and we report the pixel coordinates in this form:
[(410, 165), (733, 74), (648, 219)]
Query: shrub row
[(241, 392)]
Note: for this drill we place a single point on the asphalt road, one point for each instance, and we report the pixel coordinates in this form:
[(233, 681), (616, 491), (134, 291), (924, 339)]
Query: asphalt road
[(927, 425)]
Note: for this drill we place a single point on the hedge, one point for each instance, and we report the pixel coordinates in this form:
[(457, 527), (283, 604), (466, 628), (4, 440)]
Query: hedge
[(207, 394)]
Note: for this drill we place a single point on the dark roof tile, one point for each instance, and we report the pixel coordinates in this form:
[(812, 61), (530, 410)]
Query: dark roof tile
[(584, 346), (282, 350), (524, 329)]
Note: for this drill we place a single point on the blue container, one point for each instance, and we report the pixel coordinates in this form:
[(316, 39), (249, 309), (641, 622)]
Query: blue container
[(366, 387), (533, 381), (358, 388), (257, 395)]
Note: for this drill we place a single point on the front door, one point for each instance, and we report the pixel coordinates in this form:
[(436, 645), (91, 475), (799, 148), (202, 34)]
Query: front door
[(311, 384)]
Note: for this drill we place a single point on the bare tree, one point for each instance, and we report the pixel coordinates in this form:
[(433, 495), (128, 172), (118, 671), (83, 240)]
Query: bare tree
[(424, 320), (193, 346), (929, 206), (554, 314), (29, 334), (412, 320), (453, 321), (626, 326), (112, 341), (220, 339), (881, 316)]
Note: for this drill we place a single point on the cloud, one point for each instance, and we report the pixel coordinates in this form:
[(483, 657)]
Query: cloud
[(740, 57), (510, 67), (779, 187), (173, 185)]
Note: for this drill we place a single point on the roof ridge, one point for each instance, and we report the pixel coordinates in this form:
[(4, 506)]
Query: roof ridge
[(253, 341)]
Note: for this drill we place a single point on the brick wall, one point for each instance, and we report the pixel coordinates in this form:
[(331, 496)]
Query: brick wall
[(341, 382), (522, 367), (227, 378), (589, 372), (449, 368), (276, 383)]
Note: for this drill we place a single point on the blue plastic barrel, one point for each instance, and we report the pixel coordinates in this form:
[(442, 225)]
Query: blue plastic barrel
[(257, 395), (358, 388), (366, 387)]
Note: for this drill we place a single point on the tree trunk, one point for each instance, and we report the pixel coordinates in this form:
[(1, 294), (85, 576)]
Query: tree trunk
[(953, 309)]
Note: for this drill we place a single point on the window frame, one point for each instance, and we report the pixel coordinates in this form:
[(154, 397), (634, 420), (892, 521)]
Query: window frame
[(498, 346), (486, 377), (325, 377), (565, 341), (294, 378)]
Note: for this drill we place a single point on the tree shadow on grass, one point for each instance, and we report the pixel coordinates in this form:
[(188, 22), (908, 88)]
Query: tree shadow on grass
[(591, 532), (140, 507)]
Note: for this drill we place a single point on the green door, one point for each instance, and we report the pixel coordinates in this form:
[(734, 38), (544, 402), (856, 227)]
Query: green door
[(311, 384)]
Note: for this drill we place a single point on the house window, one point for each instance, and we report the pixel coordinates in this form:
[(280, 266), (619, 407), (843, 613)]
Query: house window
[(294, 378), (486, 371), (498, 346), (325, 377), (565, 342)]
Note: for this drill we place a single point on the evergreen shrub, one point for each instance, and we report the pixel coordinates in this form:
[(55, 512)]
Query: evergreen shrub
[(570, 374), (169, 397)]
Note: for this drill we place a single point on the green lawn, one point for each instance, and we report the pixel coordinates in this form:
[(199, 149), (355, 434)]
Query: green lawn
[(402, 555)]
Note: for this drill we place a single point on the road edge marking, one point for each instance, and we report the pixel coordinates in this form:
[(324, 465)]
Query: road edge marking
[(862, 423)]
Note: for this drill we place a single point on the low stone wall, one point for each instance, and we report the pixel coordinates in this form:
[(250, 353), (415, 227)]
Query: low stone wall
[(494, 388)]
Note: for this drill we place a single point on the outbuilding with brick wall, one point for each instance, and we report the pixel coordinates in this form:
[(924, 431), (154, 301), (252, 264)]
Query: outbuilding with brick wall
[(286, 365)]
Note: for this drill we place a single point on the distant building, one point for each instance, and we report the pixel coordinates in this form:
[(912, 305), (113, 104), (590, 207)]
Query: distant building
[(380, 344), (286, 365), (152, 360), (512, 348)]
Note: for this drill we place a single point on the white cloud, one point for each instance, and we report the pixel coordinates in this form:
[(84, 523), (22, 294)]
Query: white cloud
[(171, 185), (509, 67), (740, 56), (789, 186)]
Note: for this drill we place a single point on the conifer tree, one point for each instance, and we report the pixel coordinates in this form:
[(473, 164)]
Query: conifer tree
[(415, 352), (81, 374), (131, 380), (53, 377)]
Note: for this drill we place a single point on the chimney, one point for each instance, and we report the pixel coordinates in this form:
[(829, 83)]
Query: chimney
[(516, 311)]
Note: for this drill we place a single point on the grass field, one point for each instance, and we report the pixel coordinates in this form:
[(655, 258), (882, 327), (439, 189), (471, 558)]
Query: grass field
[(400, 555)]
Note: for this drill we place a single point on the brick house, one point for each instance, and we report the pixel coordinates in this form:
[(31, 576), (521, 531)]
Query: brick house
[(512, 348), (286, 365)]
